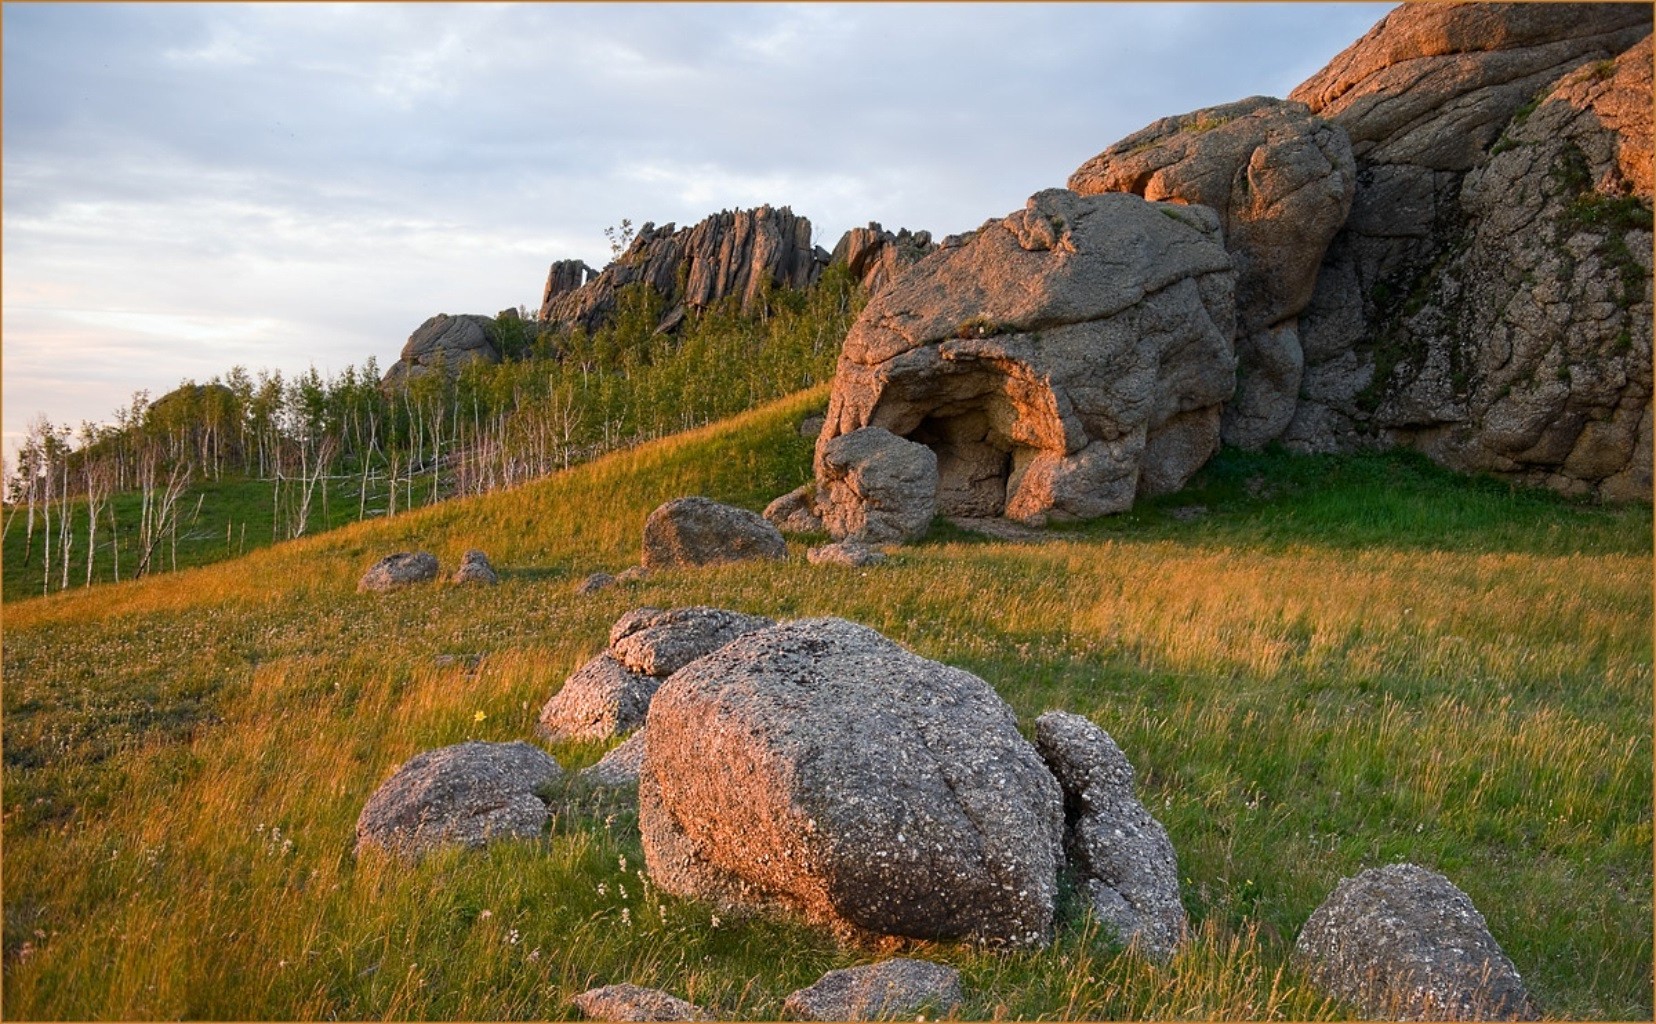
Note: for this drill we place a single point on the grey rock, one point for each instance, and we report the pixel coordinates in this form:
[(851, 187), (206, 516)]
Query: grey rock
[(1058, 361), (854, 554), (811, 426), (632, 574), (620, 766), (876, 486), (399, 570), (1404, 943), (875, 257), (601, 699), (446, 342), (564, 277), (899, 987), (467, 795), (595, 582), (700, 531), (795, 512), (475, 568), (818, 769), (1122, 855), (662, 642), (636, 1003)]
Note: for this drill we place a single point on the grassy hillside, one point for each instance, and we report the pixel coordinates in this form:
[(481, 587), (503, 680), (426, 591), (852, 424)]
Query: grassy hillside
[(1338, 664)]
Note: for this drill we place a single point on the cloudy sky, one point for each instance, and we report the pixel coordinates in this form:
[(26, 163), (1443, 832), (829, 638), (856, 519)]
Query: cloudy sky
[(191, 187)]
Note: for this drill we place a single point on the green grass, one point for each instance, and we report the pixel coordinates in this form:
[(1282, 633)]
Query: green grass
[(1342, 663)]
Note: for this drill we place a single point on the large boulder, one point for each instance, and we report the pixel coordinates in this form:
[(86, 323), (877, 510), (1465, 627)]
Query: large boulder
[(445, 342), (465, 795), (892, 989), (659, 643), (1122, 856), (1060, 361), (1281, 181), (603, 698), (876, 487), (819, 769), (402, 569), (1471, 307), (1404, 943), (700, 531)]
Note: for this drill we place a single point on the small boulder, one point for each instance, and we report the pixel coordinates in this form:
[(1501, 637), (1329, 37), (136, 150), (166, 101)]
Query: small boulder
[(1126, 862), (659, 643), (619, 767), (632, 574), (701, 531), (819, 769), (475, 568), (594, 583), (602, 699), (846, 552), (1404, 943), (795, 512), (894, 988), (876, 486), (811, 426), (636, 1003), (398, 570), (465, 794)]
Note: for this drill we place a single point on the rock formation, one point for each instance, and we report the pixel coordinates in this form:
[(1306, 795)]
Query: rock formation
[(449, 342), (1281, 181), (1404, 943), (700, 531), (817, 768), (399, 570), (1059, 361), (875, 486), (465, 795), (734, 253), (874, 256), (475, 568), (659, 643), (1488, 300), (894, 989), (603, 698)]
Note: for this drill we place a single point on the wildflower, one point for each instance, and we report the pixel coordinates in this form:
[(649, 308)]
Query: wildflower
[(484, 915), (626, 916), (512, 937), (479, 717), (534, 954)]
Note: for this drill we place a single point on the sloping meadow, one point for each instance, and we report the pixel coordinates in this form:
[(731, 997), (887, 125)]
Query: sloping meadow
[(1316, 665)]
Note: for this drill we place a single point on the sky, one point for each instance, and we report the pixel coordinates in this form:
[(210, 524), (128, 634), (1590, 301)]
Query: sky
[(191, 187)]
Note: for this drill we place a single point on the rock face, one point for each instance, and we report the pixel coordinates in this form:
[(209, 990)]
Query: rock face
[(701, 531), (466, 794), (1059, 361), (1121, 854), (399, 570), (449, 342), (1403, 943), (895, 988), (1281, 181), (737, 253), (875, 256), (636, 1003), (602, 699), (817, 768), (564, 277), (475, 568), (1488, 300), (620, 766), (876, 487)]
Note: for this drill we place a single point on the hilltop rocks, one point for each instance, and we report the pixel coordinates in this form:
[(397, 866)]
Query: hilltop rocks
[(876, 486), (466, 795), (737, 253), (817, 768), (875, 256), (475, 568), (399, 570), (700, 531), (891, 989), (449, 342), (636, 1003), (1281, 181), (1404, 943), (1058, 361), (1122, 855), (564, 277)]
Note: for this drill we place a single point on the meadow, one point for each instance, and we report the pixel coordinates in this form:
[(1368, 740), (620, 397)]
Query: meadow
[(1316, 664)]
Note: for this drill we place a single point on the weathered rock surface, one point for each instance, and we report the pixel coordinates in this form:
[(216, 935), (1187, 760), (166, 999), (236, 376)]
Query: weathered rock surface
[(636, 1003), (875, 487), (602, 698), (875, 256), (659, 643), (620, 766), (475, 568), (449, 342), (1473, 306), (594, 582), (795, 512), (899, 987), (1122, 855), (1404, 943), (700, 531), (1281, 181), (819, 769), (737, 253), (854, 554), (467, 794), (1059, 361), (564, 277), (399, 570)]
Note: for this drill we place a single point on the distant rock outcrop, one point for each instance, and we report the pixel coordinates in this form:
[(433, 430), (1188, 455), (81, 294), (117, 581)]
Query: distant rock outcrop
[(737, 253), (1059, 361), (874, 256), (449, 342)]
